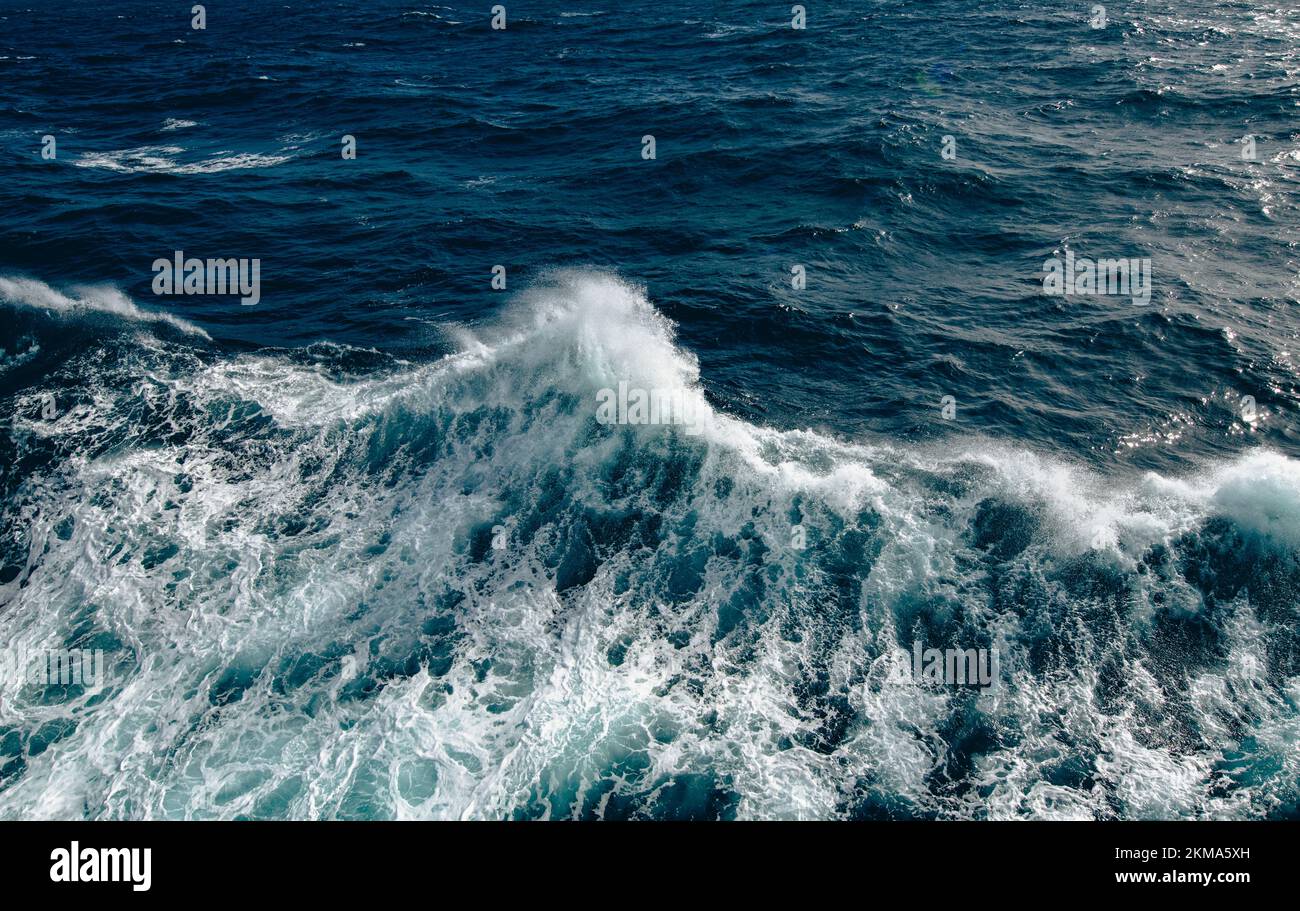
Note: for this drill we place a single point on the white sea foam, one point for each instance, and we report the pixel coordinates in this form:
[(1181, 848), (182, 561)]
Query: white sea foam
[(27, 292), (309, 627), (165, 160)]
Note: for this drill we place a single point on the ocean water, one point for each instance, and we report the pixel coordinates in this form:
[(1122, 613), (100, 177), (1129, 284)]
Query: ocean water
[(364, 549)]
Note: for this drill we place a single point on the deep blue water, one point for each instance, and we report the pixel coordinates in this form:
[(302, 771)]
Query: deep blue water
[(364, 549)]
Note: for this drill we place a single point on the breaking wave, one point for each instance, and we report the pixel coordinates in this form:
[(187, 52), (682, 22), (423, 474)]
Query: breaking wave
[(331, 584), (85, 302)]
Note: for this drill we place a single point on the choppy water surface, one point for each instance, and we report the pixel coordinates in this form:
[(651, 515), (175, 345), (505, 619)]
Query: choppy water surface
[(364, 551)]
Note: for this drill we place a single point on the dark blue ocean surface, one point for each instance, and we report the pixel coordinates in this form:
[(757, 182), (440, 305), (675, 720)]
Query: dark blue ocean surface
[(366, 548)]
